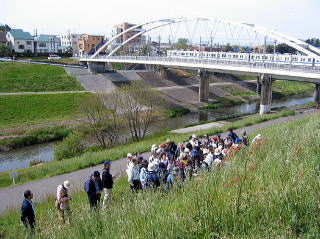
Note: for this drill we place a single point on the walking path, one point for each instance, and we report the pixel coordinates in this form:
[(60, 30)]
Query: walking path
[(11, 197)]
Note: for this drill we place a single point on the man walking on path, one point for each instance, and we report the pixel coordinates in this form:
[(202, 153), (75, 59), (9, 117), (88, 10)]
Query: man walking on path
[(27, 212), (62, 202), (107, 181), (92, 188)]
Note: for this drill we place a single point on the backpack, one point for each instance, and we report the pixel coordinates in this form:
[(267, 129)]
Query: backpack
[(87, 185), (152, 180)]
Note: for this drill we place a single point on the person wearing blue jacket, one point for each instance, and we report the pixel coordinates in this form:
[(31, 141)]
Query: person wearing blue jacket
[(93, 189), (27, 211)]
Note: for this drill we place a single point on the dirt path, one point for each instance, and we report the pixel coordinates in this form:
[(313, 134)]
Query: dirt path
[(11, 197)]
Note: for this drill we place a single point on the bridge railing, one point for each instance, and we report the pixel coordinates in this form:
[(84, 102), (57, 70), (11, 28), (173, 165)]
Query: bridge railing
[(244, 63)]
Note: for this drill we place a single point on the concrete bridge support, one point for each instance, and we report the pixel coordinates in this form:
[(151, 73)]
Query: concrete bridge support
[(162, 71), (203, 86), (317, 96), (266, 94), (258, 89), (98, 67)]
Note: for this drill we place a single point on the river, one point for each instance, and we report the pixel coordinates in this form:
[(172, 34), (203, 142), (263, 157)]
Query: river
[(20, 158)]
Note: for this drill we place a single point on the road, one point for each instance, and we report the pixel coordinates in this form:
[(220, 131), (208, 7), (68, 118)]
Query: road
[(11, 197)]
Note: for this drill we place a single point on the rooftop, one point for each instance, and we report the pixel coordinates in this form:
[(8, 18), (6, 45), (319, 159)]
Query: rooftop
[(20, 34)]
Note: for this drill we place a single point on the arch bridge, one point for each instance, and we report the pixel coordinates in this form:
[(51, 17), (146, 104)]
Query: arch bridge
[(232, 32)]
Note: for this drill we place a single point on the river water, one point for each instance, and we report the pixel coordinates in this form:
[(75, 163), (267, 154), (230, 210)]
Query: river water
[(20, 158)]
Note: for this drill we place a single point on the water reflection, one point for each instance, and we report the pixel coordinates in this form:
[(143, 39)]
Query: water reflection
[(20, 158)]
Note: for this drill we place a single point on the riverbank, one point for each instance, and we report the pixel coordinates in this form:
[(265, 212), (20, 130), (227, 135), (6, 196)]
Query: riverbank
[(278, 177), (90, 159)]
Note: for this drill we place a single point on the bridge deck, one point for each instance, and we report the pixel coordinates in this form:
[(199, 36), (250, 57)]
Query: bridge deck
[(277, 71)]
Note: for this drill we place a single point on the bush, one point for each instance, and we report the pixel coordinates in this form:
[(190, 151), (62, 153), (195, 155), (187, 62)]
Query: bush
[(177, 112), (70, 147)]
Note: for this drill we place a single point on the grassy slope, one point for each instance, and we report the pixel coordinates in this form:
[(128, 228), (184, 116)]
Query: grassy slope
[(17, 110), (285, 88), (93, 158), (266, 192), (21, 77), (63, 60)]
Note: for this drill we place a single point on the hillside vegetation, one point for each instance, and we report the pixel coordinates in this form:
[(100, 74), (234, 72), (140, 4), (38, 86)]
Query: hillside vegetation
[(270, 191)]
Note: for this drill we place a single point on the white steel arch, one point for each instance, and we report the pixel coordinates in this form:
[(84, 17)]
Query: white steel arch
[(299, 45)]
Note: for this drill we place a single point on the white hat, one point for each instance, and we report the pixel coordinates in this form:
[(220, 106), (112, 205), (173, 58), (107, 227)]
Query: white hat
[(214, 145), (154, 147), (259, 136), (129, 155), (205, 151), (194, 136), (217, 151), (151, 167), (67, 184)]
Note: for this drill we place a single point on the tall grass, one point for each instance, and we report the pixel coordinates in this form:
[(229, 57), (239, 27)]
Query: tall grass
[(93, 158), (267, 192)]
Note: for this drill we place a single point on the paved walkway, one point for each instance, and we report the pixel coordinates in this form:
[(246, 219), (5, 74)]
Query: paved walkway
[(11, 197)]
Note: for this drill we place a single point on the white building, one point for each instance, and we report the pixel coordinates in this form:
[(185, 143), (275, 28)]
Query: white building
[(70, 40), (20, 41), (47, 44)]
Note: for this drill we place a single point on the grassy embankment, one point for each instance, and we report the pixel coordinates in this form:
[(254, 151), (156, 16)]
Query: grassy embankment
[(93, 158), (282, 88), (18, 110), (63, 60), (23, 77), (271, 191)]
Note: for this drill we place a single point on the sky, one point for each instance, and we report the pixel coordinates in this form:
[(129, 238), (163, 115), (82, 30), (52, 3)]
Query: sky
[(297, 18)]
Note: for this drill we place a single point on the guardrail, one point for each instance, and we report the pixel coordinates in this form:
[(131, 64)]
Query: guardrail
[(259, 65)]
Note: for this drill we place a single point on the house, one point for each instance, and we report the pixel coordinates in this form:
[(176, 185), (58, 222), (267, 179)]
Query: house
[(89, 43), (70, 41), (47, 44), (135, 43), (20, 41)]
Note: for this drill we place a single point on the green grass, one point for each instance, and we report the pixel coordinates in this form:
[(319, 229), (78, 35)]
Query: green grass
[(235, 90), (93, 158), (245, 77), (63, 60), (18, 110), (222, 102), (171, 113), (37, 136), (23, 77), (266, 192), (291, 88)]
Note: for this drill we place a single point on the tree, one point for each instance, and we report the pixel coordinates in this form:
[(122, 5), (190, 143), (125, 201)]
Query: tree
[(270, 49), (227, 48), (145, 50), (5, 28), (102, 116), (3, 49), (182, 43), (138, 104), (314, 42), (284, 48)]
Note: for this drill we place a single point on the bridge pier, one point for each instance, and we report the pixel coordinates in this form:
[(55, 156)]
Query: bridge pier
[(258, 89), (203, 86), (162, 71), (317, 96), (266, 94), (98, 67)]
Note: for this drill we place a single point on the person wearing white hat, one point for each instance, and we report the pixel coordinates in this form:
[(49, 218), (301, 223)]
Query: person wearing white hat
[(257, 139), (129, 158), (63, 201), (194, 141)]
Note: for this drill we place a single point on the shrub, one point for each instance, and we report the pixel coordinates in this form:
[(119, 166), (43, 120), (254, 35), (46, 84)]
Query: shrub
[(70, 147)]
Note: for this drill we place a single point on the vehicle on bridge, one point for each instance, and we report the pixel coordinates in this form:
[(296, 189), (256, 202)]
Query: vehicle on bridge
[(249, 57)]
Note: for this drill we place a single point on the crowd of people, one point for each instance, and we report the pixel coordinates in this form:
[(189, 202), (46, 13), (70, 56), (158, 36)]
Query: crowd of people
[(169, 164)]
